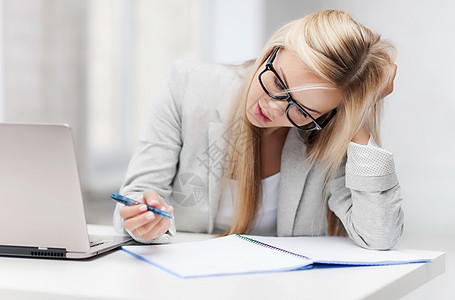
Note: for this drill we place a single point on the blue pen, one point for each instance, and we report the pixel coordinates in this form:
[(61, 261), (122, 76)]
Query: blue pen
[(127, 201)]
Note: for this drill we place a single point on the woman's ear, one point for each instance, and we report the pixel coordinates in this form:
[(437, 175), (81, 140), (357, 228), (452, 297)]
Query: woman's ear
[(389, 87)]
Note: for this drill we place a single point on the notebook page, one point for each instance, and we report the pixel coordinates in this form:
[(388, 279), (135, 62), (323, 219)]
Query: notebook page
[(338, 250), (219, 256)]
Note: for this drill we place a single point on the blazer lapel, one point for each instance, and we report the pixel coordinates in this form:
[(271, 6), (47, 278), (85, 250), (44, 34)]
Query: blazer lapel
[(294, 171)]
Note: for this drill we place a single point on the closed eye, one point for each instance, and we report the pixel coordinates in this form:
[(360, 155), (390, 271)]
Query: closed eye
[(278, 84), (302, 113)]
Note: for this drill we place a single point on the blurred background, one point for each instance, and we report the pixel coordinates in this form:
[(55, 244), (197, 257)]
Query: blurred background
[(97, 64)]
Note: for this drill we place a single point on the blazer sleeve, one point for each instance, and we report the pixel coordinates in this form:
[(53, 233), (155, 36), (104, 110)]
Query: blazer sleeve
[(154, 163), (366, 197)]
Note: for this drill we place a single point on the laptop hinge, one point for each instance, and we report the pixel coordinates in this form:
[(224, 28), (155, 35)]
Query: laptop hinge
[(32, 251)]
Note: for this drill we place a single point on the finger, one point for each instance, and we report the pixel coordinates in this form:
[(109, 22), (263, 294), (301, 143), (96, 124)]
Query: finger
[(153, 199), (147, 230), (154, 229), (133, 223), (131, 211), (394, 71), (388, 89), (157, 230), (163, 226), (148, 226), (392, 74)]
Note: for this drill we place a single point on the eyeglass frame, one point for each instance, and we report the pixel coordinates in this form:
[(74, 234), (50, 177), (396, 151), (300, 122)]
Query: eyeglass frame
[(288, 97)]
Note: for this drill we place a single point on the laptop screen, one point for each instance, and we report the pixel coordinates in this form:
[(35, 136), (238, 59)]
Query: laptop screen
[(40, 191)]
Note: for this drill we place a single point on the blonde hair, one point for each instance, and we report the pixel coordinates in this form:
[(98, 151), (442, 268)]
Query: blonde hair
[(347, 55)]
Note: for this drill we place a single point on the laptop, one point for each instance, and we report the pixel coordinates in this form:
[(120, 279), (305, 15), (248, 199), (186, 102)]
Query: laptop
[(41, 206)]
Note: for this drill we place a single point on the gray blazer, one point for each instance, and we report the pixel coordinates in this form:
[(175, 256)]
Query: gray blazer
[(180, 157)]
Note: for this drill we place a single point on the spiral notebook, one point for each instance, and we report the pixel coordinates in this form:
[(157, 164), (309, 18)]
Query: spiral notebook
[(246, 254)]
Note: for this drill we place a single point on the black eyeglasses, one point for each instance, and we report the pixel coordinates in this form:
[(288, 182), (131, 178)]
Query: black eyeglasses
[(276, 89)]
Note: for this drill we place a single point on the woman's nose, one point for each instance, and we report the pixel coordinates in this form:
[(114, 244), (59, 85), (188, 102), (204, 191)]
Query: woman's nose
[(277, 106)]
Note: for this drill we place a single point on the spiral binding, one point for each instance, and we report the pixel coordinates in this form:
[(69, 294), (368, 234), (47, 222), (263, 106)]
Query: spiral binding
[(270, 246)]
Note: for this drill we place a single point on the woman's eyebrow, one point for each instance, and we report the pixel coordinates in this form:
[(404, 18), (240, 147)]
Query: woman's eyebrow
[(287, 85)]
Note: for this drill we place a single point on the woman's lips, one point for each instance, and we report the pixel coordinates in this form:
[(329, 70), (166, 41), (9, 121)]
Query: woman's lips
[(260, 115)]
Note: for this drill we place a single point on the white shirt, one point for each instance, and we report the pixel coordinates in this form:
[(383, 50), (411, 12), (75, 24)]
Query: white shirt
[(267, 214)]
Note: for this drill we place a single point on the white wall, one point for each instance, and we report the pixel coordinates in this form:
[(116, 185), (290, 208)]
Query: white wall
[(235, 30), (130, 46), (418, 126)]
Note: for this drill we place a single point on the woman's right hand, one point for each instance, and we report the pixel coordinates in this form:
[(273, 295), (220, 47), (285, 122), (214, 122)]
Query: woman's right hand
[(143, 223)]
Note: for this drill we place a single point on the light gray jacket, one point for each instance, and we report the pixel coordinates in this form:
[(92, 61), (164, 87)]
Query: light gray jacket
[(180, 157)]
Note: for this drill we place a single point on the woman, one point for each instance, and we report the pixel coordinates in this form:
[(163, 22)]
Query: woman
[(285, 145)]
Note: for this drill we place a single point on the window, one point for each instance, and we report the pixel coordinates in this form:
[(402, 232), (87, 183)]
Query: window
[(97, 65), (130, 47)]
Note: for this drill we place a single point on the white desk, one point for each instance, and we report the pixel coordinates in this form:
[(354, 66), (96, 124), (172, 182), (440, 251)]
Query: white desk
[(117, 275)]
